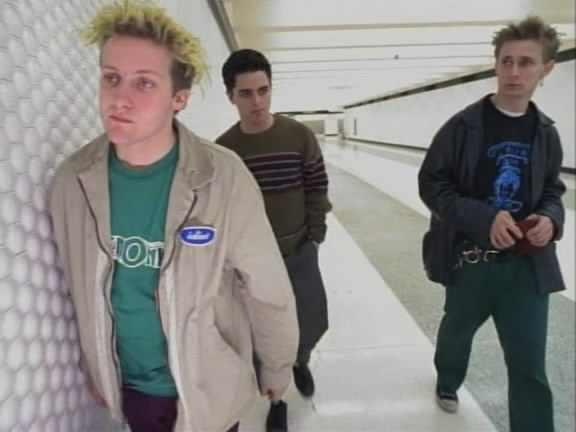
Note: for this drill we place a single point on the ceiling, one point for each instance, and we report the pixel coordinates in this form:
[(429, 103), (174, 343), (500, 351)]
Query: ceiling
[(328, 53)]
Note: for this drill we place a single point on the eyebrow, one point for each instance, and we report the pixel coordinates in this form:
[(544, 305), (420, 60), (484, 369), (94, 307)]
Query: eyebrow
[(522, 57), (249, 89), (140, 71)]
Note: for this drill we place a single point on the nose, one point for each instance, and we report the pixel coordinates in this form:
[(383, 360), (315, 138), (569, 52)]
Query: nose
[(256, 99), (119, 98), (515, 70)]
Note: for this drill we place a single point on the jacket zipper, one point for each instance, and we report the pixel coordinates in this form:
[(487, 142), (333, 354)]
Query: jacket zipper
[(178, 229), (107, 285), (164, 265), (163, 268)]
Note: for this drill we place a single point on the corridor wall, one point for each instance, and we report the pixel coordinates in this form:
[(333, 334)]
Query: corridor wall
[(413, 120)]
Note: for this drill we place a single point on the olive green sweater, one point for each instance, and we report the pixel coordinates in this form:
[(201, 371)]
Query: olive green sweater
[(287, 163)]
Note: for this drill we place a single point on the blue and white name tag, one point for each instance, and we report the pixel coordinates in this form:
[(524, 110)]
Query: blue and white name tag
[(198, 235)]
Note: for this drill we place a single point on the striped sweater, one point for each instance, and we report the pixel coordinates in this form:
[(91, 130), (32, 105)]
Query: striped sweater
[(287, 163)]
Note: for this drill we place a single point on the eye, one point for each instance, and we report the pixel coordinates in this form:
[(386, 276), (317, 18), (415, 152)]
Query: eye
[(263, 91), (526, 62), (247, 94), (145, 84), (110, 79)]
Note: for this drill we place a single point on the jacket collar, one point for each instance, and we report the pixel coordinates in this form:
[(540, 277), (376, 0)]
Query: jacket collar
[(194, 161), (195, 169), (472, 114)]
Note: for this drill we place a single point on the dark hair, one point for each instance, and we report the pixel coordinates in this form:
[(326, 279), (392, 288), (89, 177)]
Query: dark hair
[(242, 61), (531, 28)]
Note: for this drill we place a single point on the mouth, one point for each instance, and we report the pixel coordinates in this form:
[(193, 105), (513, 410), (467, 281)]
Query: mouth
[(119, 119)]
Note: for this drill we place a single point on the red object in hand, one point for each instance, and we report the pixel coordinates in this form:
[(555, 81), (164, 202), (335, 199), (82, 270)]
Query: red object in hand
[(523, 246)]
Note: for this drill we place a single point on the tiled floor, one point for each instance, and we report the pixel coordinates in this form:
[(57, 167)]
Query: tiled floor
[(373, 368)]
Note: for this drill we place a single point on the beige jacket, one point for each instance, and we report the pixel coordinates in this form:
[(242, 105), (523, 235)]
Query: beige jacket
[(218, 302)]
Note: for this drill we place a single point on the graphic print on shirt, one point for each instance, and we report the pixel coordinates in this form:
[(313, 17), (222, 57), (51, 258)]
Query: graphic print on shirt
[(133, 252), (510, 157)]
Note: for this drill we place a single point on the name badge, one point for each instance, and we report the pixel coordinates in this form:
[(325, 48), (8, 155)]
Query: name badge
[(198, 235)]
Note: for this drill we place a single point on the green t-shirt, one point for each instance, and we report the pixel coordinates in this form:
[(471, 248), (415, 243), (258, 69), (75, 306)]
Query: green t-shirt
[(138, 204)]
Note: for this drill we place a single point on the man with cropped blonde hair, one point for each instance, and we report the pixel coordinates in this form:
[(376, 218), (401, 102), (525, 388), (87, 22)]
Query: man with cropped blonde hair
[(172, 266), (491, 181)]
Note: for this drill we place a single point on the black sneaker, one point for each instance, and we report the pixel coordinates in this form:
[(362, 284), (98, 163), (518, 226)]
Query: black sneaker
[(447, 401), (304, 380), (277, 417)]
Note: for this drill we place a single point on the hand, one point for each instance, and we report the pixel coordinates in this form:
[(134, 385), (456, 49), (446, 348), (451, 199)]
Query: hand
[(100, 401), (540, 234), (272, 395), (504, 232)]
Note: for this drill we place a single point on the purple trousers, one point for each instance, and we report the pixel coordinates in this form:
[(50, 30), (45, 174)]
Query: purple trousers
[(146, 413)]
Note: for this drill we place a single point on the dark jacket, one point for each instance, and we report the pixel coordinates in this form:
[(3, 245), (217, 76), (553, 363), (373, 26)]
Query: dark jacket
[(447, 180)]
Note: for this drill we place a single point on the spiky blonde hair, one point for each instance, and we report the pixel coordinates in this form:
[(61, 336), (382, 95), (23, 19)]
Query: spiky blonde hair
[(144, 19)]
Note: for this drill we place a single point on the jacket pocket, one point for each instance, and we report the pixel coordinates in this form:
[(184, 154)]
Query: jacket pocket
[(437, 255), (227, 381), (547, 269)]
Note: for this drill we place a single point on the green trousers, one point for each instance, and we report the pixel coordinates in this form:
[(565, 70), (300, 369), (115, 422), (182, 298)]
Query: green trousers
[(506, 290)]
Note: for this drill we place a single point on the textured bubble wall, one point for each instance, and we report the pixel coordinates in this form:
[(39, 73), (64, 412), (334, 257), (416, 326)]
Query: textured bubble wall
[(48, 107)]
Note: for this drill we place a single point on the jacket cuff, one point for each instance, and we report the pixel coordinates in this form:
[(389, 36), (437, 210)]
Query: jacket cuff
[(558, 227), (483, 227), (317, 234)]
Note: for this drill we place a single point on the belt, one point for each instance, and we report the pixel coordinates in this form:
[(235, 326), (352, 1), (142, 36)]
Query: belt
[(475, 255)]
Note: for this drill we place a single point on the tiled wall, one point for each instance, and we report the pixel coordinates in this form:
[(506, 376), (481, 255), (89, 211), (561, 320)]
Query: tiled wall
[(48, 108)]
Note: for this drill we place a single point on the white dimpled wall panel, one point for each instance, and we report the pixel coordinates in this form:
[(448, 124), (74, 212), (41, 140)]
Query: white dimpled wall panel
[(48, 108)]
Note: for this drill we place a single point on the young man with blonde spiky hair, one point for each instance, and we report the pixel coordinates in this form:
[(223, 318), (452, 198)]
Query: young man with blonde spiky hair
[(172, 266), (491, 181)]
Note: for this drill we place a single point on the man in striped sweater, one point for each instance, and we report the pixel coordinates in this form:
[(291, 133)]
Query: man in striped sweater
[(286, 161)]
